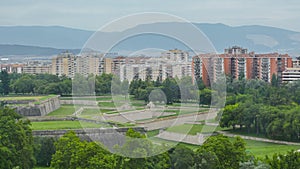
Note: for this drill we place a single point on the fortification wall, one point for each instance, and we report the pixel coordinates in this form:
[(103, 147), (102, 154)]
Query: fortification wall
[(42, 109)]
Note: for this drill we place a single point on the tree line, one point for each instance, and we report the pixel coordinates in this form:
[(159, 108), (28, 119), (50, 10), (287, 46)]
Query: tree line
[(52, 84), (174, 89), (258, 107)]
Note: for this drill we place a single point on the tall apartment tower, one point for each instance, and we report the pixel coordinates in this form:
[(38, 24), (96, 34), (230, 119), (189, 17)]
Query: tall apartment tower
[(172, 63), (64, 64), (237, 63), (89, 64)]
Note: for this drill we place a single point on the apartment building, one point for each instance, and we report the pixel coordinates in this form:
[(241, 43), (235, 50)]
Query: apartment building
[(37, 69), (89, 64), (172, 63), (64, 64), (237, 63), (292, 74), (12, 68)]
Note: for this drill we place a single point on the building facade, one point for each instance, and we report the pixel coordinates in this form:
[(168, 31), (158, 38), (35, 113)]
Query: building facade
[(64, 64), (172, 63), (238, 64)]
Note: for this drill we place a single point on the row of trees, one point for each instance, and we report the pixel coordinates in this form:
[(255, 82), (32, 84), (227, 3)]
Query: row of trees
[(173, 90), (216, 152), (52, 84), (258, 107)]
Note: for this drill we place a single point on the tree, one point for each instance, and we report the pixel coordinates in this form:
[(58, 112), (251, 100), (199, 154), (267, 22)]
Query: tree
[(43, 151), (4, 82), (205, 159), (274, 80), (289, 161), (229, 154), (25, 84), (16, 142), (138, 151), (73, 153), (230, 116), (103, 83), (205, 96), (171, 90), (182, 157)]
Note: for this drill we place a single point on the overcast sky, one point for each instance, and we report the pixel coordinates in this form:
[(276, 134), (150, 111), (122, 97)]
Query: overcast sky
[(92, 14)]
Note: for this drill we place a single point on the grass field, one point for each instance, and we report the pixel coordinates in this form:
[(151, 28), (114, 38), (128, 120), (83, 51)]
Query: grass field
[(36, 98), (54, 125), (86, 112), (257, 148), (193, 129), (107, 104), (97, 98), (64, 110), (261, 149)]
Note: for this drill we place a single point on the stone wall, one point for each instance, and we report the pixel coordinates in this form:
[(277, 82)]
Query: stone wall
[(80, 102), (107, 136), (41, 109)]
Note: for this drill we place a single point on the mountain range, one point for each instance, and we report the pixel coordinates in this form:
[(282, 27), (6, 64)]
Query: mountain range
[(50, 40)]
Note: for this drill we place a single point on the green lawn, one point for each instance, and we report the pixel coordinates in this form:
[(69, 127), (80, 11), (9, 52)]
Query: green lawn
[(97, 98), (104, 98), (135, 103), (107, 104), (90, 112), (193, 129), (36, 98), (138, 103), (54, 125), (152, 133), (257, 148), (261, 149), (64, 110)]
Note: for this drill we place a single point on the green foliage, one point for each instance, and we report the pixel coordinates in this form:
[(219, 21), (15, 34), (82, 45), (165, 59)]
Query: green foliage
[(205, 96), (73, 153), (4, 83), (40, 84), (103, 84), (291, 160), (271, 110), (16, 142), (205, 159), (228, 154), (274, 80), (182, 157), (43, 150)]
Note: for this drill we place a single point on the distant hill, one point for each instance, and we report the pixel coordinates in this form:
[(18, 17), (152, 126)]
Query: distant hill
[(255, 38), (32, 50)]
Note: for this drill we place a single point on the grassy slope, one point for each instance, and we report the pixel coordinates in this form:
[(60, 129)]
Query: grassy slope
[(54, 125), (64, 110)]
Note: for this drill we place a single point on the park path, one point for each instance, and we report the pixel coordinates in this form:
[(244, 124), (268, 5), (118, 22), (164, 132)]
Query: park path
[(174, 121), (179, 137), (258, 139)]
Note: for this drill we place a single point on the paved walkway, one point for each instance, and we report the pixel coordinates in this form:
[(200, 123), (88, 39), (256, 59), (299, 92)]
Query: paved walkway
[(258, 139), (178, 137), (176, 120)]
